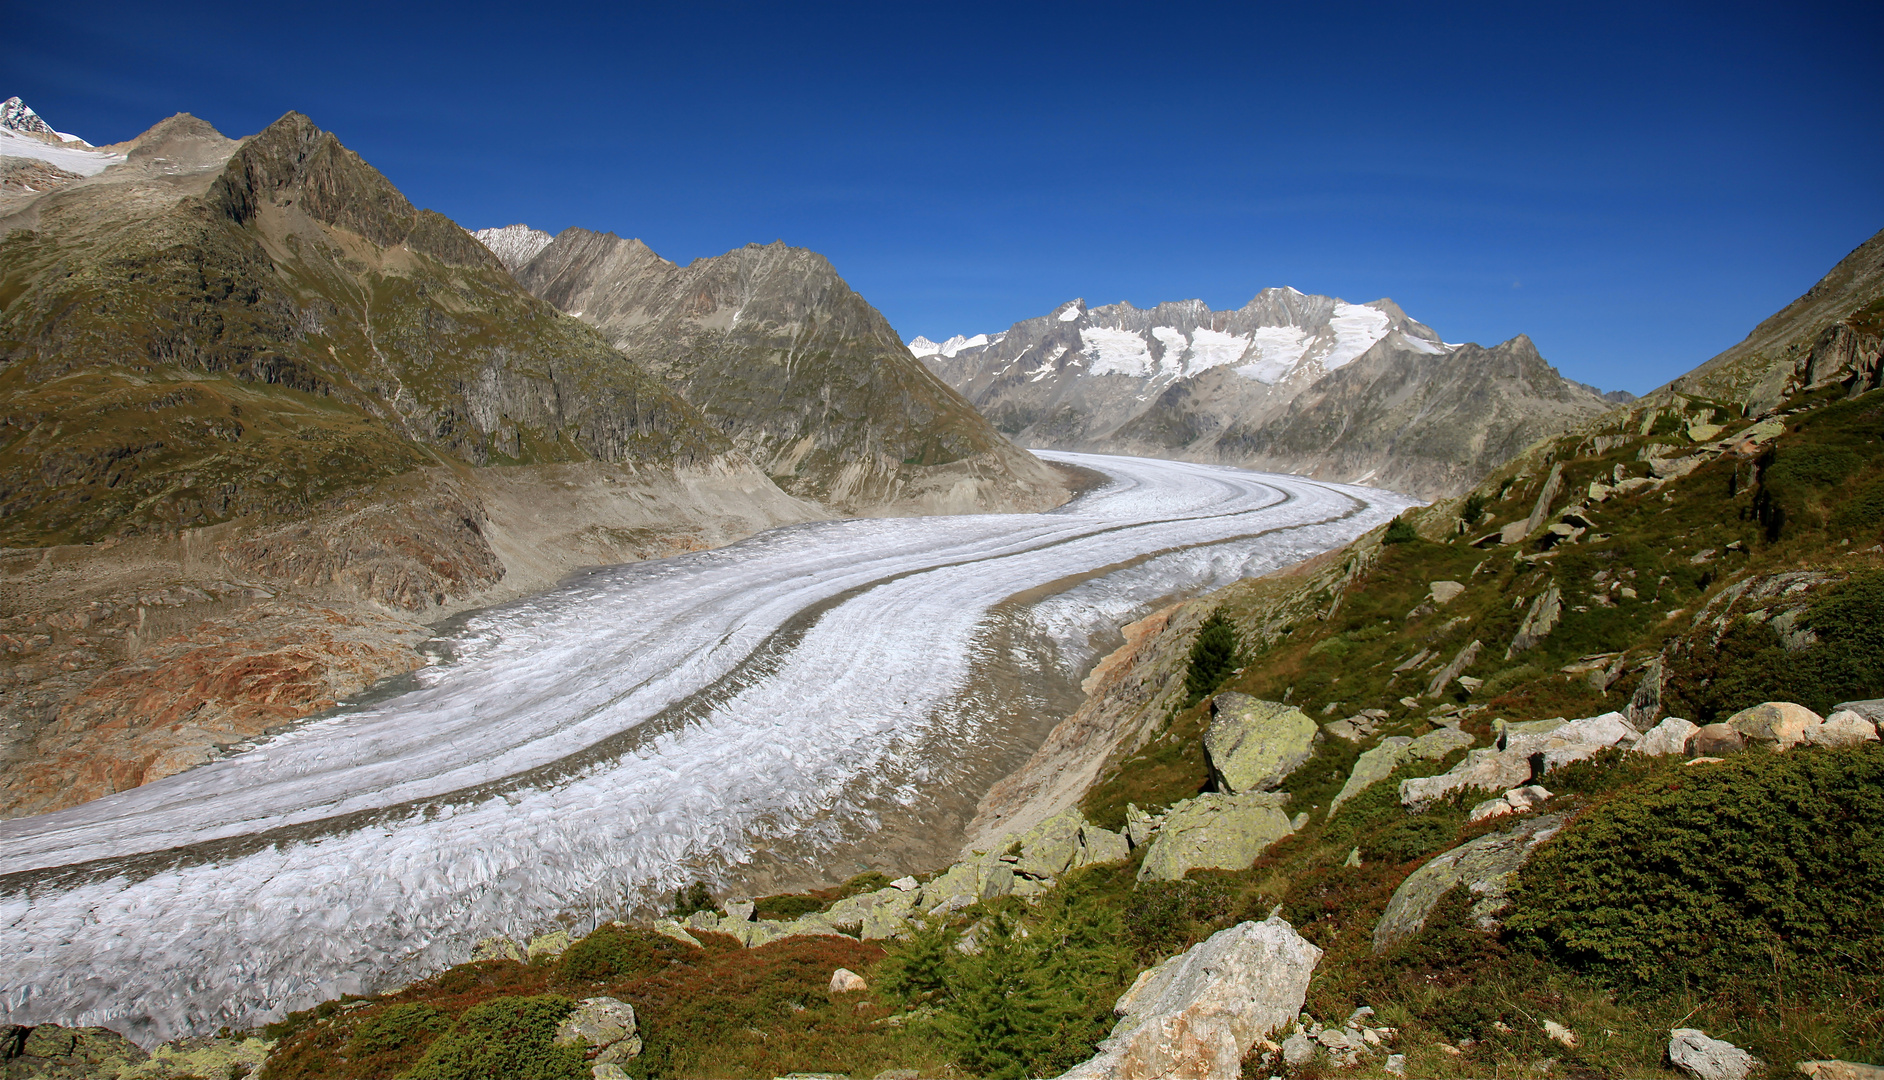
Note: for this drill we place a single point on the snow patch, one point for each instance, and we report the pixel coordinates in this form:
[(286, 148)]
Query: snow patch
[(1214, 348), (1356, 330), (514, 245), (70, 158), (1116, 352), (1072, 312), (1278, 349)]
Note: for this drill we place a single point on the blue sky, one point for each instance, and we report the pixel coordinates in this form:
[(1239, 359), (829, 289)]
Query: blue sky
[(1635, 186)]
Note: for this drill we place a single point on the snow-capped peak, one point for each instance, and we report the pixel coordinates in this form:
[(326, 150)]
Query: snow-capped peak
[(514, 245), (17, 115)]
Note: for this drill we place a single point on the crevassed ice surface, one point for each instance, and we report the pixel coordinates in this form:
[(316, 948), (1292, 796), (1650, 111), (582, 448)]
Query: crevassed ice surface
[(599, 743)]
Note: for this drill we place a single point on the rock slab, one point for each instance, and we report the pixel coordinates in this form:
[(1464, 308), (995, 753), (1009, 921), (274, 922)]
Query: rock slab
[(1215, 832), (1694, 1053), (1253, 745), (1195, 1015), (1485, 866), (604, 1023)]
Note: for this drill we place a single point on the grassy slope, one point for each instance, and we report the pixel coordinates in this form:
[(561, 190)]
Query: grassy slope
[(181, 364)]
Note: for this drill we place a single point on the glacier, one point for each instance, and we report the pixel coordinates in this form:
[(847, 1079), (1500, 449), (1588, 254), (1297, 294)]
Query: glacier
[(578, 754)]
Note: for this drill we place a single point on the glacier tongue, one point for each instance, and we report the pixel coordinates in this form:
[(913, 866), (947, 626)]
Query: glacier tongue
[(591, 748)]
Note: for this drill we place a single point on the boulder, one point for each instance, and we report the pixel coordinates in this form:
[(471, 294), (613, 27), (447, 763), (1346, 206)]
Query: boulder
[(740, 910), (1097, 845), (1691, 1051), (551, 944), (1671, 736), (1394, 751), (1048, 849), (49, 1050), (1516, 801), (1843, 728), (1217, 832), (880, 914), (1871, 709), (603, 1023), (1538, 622), (1465, 658), (672, 929), (1509, 764), (846, 981), (1485, 866), (1140, 827), (1841, 1070), (497, 948), (1197, 1014), (1253, 745), (1781, 724), (1714, 740), (906, 884), (1444, 592), (1298, 1049)]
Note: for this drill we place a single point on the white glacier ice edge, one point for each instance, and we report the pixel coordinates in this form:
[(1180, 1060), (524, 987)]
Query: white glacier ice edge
[(599, 744)]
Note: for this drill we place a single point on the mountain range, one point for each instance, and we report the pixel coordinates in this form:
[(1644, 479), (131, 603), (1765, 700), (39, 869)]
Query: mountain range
[(1290, 382), (261, 417)]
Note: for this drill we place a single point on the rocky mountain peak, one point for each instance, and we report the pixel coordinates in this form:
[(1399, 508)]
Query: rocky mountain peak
[(514, 245), (17, 115), (335, 186)]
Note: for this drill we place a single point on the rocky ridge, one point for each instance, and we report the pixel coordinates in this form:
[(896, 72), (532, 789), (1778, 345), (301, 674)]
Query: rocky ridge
[(783, 358), (1290, 382)]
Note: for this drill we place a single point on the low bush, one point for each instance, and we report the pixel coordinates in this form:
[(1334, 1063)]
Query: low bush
[(1399, 531), (395, 1028), (617, 953), (506, 1036), (1695, 876)]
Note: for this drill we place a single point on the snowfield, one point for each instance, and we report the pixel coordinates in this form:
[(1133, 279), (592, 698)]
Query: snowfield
[(602, 743)]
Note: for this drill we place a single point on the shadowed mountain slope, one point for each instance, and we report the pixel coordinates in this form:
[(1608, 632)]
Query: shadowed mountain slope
[(781, 356)]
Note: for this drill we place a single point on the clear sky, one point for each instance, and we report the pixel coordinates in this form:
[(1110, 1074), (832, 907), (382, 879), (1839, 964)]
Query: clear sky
[(1633, 185)]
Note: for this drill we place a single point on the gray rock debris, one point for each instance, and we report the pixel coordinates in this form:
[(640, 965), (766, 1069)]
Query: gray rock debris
[(1197, 1014), (1522, 747), (1691, 1051), (1485, 866)]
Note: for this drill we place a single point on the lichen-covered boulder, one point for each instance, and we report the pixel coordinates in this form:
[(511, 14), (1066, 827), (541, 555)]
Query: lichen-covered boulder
[(603, 1023), (1253, 745), (1048, 849), (1097, 845), (1215, 832), (1781, 724), (881, 914), (1394, 751), (1195, 1015), (1486, 866)]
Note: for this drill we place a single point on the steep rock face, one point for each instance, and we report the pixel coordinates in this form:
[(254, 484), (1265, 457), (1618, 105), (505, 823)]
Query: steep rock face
[(799, 371), (1294, 382), (1834, 333)]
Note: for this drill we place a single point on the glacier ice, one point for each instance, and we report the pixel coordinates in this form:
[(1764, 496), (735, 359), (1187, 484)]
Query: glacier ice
[(585, 750)]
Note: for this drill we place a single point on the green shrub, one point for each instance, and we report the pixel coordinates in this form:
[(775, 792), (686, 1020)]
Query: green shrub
[(1163, 918), (694, 898), (1508, 679), (1757, 865), (1399, 531), (1473, 509), (508, 1037), (1860, 515), (1213, 657), (786, 906), (618, 953), (396, 1027), (917, 969), (1749, 664), (1034, 1005)]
